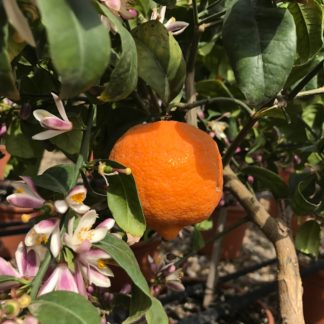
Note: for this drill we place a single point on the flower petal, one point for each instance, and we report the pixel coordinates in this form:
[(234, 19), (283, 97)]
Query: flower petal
[(176, 27), (79, 280), (47, 134), (80, 208), (21, 258), (98, 234), (93, 255), (59, 106), (56, 123), (112, 4), (46, 226), (30, 238), (66, 280), (33, 262), (6, 269), (61, 206), (51, 282), (30, 184), (86, 221), (97, 278), (77, 195), (25, 200), (107, 224), (56, 244), (40, 114)]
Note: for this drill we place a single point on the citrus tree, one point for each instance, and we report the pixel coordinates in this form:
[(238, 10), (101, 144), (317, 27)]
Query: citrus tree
[(75, 75)]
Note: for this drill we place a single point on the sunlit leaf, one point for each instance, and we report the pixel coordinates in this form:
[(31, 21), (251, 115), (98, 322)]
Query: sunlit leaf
[(162, 67), (260, 41), (124, 203), (123, 78), (308, 238), (79, 44), (309, 26), (65, 308)]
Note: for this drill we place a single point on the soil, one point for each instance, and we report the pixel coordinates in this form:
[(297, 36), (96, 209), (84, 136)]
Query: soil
[(187, 308)]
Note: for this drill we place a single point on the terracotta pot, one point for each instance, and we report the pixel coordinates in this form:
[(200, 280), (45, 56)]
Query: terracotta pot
[(232, 242), (142, 251), (3, 161), (267, 312), (313, 298), (10, 214)]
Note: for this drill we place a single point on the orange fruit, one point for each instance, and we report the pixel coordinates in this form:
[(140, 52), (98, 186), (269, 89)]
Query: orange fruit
[(178, 173)]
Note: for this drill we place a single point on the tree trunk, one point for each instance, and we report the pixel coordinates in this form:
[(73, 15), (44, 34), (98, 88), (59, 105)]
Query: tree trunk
[(289, 282)]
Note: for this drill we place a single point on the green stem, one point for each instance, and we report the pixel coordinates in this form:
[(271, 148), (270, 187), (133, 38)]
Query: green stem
[(198, 103), (238, 140), (84, 150), (40, 275)]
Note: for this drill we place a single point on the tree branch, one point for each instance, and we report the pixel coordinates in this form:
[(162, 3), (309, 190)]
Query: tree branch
[(289, 282)]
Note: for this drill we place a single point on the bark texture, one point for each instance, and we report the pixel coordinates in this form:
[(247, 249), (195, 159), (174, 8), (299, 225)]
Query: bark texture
[(289, 281)]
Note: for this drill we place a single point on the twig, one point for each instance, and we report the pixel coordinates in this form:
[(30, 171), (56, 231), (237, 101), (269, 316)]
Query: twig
[(190, 90), (290, 287), (218, 236), (213, 274), (198, 103), (310, 92)]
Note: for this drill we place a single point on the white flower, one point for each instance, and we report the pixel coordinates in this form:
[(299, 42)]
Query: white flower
[(84, 235), (74, 200), (54, 125), (43, 231)]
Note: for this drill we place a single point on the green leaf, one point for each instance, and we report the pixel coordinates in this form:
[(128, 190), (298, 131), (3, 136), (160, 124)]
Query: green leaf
[(7, 81), (20, 145), (69, 142), (57, 179), (124, 256), (156, 313), (212, 88), (124, 203), (308, 238), (162, 67), (260, 41), (65, 308), (300, 204), (139, 305), (18, 21), (309, 26), (268, 180), (123, 78), (79, 43)]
